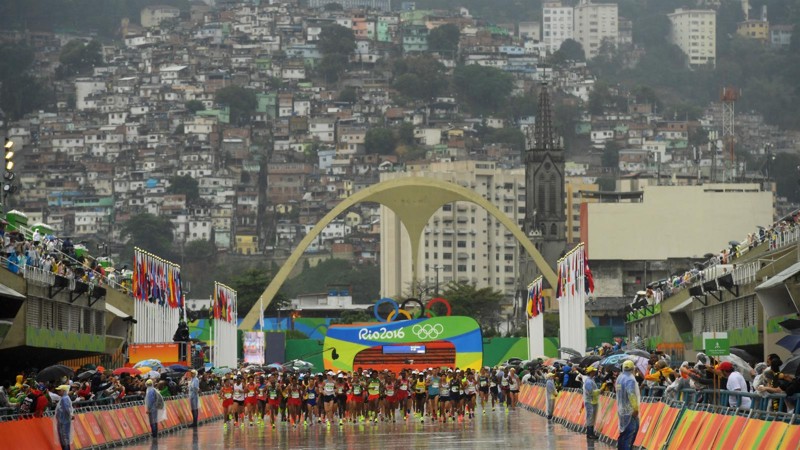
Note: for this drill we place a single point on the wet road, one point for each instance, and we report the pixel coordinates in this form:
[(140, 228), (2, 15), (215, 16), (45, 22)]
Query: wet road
[(496, 430)]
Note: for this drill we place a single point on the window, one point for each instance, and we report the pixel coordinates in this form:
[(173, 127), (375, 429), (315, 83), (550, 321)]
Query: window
[(462, 267), (447, 243), (462, 244)]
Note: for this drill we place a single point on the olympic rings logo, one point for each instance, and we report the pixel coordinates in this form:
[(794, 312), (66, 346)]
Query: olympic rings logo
[(428, 331)]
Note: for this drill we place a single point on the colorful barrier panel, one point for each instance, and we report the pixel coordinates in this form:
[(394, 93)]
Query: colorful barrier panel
[(664, 426), (104, 427)]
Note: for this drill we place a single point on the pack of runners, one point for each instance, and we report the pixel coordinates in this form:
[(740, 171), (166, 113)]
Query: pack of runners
[(435, 394)]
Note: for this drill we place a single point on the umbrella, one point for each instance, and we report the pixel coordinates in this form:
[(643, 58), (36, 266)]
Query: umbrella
[(144, 369), (570, 351), (638, 352), (744, 354), (554, 361), (790, 342), (741, 366), (55, 373), (614, 361), (640, 363), (83, 376), (152, 374), (298, 364), (129, 370), (791, 365), (222, 371), (179, 368), (276, 366), (791, 325), (88, 367), (151, 363), (588, 360)]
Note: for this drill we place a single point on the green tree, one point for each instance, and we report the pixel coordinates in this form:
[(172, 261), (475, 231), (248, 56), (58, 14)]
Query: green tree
[(570, 50), (185, 185), (419, 77), (482, 304), (330, 7), (364, 279), (331, 67), (510, 136), (336, 40), (150, 233), (249, 286), (355, 316), (444, 39), (194, 105), (610, 157), (380, 140), (78, 57), (485, 89), (405, 133), (348, 95), (242, 102), (598, 99), (20, 91)]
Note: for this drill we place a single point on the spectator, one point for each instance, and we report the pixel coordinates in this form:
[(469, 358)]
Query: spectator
[(735, 383)]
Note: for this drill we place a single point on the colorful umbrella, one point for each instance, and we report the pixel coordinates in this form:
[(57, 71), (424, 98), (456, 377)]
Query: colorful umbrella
[(129, 370), (151, 363)]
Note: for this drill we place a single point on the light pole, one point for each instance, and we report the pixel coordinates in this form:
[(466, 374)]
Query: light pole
[(436, 268)]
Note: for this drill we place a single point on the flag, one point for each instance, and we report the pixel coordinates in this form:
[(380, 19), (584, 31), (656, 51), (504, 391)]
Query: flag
[(530, 309), (587, 273), (559, 290)]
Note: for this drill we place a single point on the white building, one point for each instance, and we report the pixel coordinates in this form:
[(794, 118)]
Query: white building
[(461, 242), (694, 31), (152, 16), (593, 24), (557, 25)]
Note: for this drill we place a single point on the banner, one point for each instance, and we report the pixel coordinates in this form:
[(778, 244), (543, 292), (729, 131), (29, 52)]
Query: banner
[(254, 347), (224, 303), (575, 282), (224, 313)]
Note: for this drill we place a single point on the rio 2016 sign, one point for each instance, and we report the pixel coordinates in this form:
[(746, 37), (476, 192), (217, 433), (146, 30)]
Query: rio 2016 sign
[(450, 340)]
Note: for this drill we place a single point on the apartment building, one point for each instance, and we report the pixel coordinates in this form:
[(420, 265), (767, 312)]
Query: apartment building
[(694, 31), (593, 24), (557, 25)]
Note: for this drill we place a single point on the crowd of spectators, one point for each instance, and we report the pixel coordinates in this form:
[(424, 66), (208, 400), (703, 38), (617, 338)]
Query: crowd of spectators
[(700, 381), (775, 235), (91, 387), (50, 254)]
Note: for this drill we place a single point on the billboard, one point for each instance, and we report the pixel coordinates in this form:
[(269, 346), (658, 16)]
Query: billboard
[(452, 341), (254, 347)]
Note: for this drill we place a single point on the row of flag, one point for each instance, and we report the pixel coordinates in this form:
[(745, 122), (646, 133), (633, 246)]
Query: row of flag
[(573, 274), (156, 280), (224, 302), (535, 304), (574, 271)]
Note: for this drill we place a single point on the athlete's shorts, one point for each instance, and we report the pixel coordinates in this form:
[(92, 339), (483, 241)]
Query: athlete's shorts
[(239, 402), (251, 401), (276, 402), (227, 403), (373, 397), (484, 389), (328, 398), (294, 402)]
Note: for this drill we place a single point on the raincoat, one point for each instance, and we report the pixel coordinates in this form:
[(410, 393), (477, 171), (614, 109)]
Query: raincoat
[(628, 398), (590, 396), (64, 413), (550, 387)]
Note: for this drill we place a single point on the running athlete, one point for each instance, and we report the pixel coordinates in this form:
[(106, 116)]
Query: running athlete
[(493, 389), (444, 396), (470, 389), (329, 397), (433, 383), (311, 401), (342, 390), (251, 399), (419, 396), (274, 395), (238, 400), (504, 388), (513, 388), (483, 389), (294, 400), (455, 395), (374, 390), (357, 399), (390, 404), (226, 393), (404, 397), (262, 400)]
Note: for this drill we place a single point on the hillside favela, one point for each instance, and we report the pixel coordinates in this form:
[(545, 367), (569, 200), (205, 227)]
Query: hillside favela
[(391, 224)]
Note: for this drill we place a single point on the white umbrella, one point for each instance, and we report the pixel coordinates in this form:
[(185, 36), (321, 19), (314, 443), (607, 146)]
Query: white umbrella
[(740, 365), (152, 374)]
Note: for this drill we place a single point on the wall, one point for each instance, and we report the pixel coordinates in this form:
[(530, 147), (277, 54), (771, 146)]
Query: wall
[(677, 221)]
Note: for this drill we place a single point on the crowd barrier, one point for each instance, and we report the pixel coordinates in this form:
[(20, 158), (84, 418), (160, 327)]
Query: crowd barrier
[(105, 426), (673, 425)]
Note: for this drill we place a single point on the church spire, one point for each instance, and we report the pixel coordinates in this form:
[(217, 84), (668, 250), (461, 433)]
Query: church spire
[(544, 137)]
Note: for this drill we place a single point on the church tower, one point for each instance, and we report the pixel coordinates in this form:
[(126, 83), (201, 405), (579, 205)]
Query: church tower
[(545, 219)]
